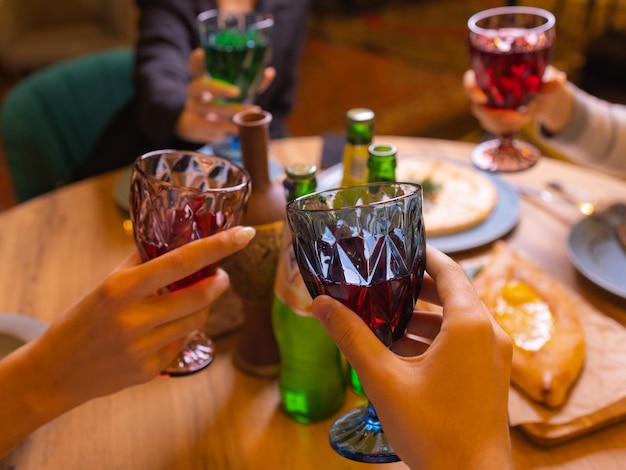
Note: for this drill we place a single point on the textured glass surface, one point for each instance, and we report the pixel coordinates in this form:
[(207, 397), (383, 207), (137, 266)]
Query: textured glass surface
[(364, 246), (177, 197)]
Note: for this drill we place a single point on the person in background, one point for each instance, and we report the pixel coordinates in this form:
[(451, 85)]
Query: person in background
[(175, 105), (573, 123), (121, 334), (444, 405)]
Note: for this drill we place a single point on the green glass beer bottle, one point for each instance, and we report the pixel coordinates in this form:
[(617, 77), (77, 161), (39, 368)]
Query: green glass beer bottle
[(360, 127), (381, 166), (311, 381), (381, 163)]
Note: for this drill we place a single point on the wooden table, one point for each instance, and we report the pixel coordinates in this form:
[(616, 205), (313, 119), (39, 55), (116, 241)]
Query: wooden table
[(55, 248)]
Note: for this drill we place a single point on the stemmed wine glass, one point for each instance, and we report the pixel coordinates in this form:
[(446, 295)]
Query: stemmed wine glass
[(509, 50), (237, 49), (364, 246), (177, 197)]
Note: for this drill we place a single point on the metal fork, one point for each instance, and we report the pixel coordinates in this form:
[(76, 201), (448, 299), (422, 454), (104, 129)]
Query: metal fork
[(614, 216)]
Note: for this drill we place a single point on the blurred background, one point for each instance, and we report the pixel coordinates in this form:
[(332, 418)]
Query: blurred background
[(402, 58)]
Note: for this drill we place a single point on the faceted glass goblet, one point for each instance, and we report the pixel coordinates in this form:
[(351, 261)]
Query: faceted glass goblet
[(509, 50), (364, 246), (237, 49), (177, 197)]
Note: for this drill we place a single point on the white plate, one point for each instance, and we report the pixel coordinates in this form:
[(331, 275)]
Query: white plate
[(501, 221), (16, 330), (595, 252)]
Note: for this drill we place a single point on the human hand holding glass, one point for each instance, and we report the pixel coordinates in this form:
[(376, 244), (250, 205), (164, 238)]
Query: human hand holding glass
[(177, 197), (116, 336), (364, 246), (237, 50), (552, 107), (509, 50), (427, 401)]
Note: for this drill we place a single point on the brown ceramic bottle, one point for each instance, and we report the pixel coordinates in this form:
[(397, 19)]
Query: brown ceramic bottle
[(253, 269)]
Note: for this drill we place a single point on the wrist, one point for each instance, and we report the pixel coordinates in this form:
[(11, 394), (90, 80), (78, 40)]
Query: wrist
[(29, 401), (557, 112)]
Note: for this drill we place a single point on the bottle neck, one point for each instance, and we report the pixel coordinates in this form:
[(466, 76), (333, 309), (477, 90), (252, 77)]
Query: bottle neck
[(360, 133), (297, 188), (381, 168)]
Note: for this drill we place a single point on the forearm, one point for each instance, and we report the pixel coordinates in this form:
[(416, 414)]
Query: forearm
[(27, 398), (161, 69), (557, 110), (472, 450), (595, 135)]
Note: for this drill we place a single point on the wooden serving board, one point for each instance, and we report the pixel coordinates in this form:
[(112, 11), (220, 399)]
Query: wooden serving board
[(549, 435)]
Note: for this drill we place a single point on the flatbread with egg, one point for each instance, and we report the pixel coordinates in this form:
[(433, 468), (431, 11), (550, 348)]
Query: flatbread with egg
[(543, 323)]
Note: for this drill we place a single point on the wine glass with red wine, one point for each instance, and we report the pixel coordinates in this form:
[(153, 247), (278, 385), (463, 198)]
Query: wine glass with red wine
[(509, 50), (177, 197), (364, 246)]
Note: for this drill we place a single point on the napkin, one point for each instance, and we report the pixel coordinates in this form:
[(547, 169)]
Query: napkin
[(596, 399)]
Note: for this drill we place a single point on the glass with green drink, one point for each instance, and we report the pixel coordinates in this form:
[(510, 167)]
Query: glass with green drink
[(237, 48)]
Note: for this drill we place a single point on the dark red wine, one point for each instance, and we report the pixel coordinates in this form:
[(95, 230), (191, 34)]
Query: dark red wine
[(509, 79), (181, 228), (386, 306)]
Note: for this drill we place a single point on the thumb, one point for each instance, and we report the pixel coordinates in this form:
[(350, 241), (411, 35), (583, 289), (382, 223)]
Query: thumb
[(350, 333), (472, 90)]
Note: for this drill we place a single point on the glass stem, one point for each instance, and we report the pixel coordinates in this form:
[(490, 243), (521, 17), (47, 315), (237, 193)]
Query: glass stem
[(371, 417), (506, 141)]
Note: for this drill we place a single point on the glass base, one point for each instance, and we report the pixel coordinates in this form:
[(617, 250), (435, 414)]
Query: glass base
[(195, 356), (495, 157), (358, 435)]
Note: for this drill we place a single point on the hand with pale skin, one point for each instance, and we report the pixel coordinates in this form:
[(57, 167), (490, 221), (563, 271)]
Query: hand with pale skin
[(205, 117), (444, 405), (121, 334), (552, 107)]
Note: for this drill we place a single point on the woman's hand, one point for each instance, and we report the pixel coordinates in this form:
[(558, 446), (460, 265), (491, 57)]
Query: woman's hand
[(446, 407), (552, 107), (121, 334), (206, 117)]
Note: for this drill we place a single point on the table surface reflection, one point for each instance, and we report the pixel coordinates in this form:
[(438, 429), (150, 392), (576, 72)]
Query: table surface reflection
[(58, 246)]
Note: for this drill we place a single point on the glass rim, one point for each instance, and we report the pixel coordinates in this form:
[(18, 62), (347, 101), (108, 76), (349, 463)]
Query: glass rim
[(262, 20), (382, 150), (499, 11), (233, 188), (294, 206)]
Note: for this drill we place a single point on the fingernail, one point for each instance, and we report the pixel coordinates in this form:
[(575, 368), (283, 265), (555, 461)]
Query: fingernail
[(244, 235)]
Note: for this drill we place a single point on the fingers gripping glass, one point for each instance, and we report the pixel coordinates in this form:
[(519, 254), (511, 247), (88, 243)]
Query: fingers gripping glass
[(364, 246), (509, 50), (177, 197)]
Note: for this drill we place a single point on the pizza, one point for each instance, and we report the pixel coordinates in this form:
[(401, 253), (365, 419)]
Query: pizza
[(456, 197), (542, 321)]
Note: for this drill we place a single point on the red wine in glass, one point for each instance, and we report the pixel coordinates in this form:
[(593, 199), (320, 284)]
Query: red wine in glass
[(509, 50), (365, 247), (509, 80), (202, 225), (384, 304), (177, 197)]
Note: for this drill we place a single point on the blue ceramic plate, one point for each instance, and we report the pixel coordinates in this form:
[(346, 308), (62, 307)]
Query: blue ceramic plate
[(502, 220), (597, 255)]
